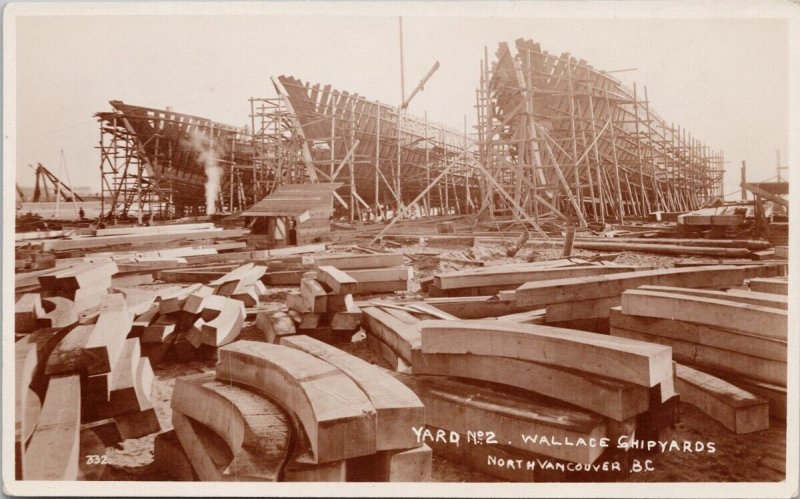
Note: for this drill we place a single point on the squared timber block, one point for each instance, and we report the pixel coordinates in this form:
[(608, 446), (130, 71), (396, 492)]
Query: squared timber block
[(26, 310), (275, 324), (314, 295), (337, 281), (295, 301), (736, 409), (412, 465)]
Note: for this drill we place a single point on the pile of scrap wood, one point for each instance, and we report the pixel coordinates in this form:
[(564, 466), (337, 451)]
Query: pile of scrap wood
[(736, 340), (300, 411), (79, 387), (324, 307), (191, 321)]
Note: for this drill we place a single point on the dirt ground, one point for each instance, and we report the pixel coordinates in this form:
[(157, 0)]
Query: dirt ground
[(737, 457)]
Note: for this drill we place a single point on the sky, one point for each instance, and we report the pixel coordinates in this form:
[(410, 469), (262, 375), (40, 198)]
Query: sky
[(726, 81)]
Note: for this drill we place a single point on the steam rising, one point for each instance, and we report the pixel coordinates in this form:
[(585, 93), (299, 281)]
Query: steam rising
[(207, 156)]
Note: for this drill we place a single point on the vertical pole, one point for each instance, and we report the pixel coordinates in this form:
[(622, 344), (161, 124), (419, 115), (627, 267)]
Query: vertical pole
[(467, 197), (597, 156), (645, 203), (398, 169), (578, 190), (778, 163), (402, 67), (353, 193), (427, 167), (569, 239), (378, 164), (620, 204)]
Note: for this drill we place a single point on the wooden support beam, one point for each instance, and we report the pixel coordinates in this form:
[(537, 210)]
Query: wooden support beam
[(397, 408), (256, 430), (337, 281), (585, 288), (26, 310), (701, 334), (207, 451), (383, 280), (768, 285), (347, 262), (636, 362), (91, 348), (314, 295), (744, 317), (336, 415), (771, 371), (463, 407), (737, 410), (225, 327), (275, 324), (400, 336), (53, 452), (58, 313), (408, 465), (664, 249), (25, 364), (756, 298), (615, 399), (735, 295), (128, 386), (522, 274), (392, 358)]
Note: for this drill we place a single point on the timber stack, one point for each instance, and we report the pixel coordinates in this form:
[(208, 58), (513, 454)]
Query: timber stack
[(299, 411)]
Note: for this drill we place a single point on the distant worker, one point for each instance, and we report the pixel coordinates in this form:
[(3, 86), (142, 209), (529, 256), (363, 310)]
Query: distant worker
[(81, 213)]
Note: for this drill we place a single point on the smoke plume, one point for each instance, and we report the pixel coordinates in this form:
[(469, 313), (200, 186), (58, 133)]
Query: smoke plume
[(207, 156)]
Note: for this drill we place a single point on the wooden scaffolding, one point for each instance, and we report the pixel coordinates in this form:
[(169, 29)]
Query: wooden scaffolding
[(387, 159), (571, 142)]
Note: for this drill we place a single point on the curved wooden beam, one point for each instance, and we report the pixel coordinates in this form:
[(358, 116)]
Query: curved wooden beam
[(743, 317), (336, 415), (397, 408), (637, 362), (53, 452), (256, 430), (615, 399)]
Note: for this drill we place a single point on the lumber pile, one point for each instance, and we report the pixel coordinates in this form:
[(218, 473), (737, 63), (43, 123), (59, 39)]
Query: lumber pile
[(323, 308), (738, 336), (187, 322), (80, 386), (305, 411)]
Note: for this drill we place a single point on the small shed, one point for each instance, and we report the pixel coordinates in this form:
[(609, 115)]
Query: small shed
[(293, 214)]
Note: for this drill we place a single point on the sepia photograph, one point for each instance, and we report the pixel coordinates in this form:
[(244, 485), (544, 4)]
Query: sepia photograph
[(411, 249)]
